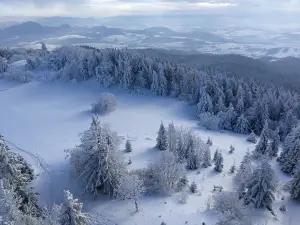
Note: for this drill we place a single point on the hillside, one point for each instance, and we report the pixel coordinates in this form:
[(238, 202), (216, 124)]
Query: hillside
[(56, 113)]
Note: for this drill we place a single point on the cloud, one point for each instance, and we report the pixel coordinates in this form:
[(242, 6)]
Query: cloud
[(100, 8)]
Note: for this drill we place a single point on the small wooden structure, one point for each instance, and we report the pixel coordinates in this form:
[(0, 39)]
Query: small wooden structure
[(220, 188)]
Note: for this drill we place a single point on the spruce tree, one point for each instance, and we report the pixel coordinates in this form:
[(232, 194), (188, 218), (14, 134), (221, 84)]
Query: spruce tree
[(261, 147), (193, 187), (232, 149), (172, 137), (274, 145), (242, 125), (294, 186), (216, 154), (206, 158), (252, 138), (219, 163), (99, 163), (261, 187), (183, 182), (209, 141), (232, 168), (292, 158), (161, 140), (243, 174), (128, 147), (70, 212)]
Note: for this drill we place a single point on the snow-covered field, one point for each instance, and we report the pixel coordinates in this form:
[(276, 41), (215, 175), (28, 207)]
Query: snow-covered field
[(41, 120)]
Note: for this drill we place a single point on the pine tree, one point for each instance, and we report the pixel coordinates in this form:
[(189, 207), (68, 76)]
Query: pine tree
[(219, 163), (193, 187), (294, 186), (161, 140), (274, 145), (206, 158), (71, 211), (128, 147), (261, 147), (261, 187)]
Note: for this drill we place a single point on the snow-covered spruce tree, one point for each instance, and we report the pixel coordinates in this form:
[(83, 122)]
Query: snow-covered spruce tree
[(288, 144), (128, 146), (98, 162), (242, 125), (228, 118), (209, 141), (17, 174), (130, 187), (70, 212), (232, 168), (216, 154), (206, 158), (252, 138), (205, 103), (106, 103), (292, 158), (163, 175), (219, 107), (161, 140), (261, 187), (243, 174), (274, 145), (209, 121), (3, 65), (8, 169), (219, 163), (231, 209), (232, 149), (10, 212), (261, 147), (294, 186), (193, 187), (287, 123), (193, 152), (172, 137), (183, 182)]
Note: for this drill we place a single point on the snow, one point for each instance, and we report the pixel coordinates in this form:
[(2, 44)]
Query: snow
[(71, 36), (45, 118)]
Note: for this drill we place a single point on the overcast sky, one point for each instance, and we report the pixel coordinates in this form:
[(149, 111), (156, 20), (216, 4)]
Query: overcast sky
[(101, 8)]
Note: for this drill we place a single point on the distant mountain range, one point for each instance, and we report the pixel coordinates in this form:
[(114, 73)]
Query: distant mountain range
[(252, 43)]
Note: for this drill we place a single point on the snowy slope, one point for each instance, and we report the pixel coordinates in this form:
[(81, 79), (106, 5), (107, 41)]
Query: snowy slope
[(41, 120)]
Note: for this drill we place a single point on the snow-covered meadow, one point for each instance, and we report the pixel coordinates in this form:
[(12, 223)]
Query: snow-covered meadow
[(41, 120)]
